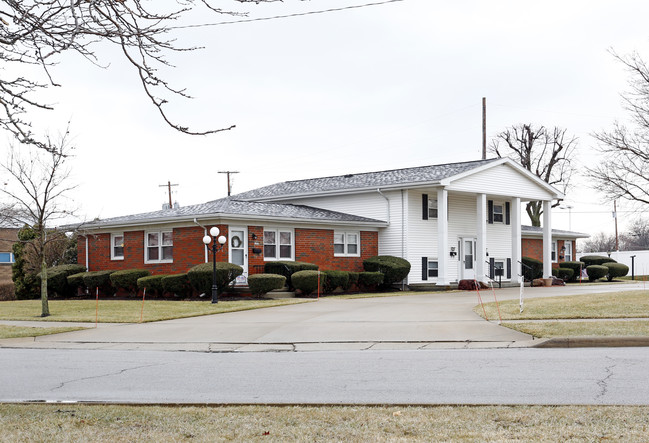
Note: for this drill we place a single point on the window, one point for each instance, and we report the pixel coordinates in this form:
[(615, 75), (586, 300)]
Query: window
[(278, 244), (346, 244), (499, 268), (499, 212), (117, 247), (568, 252), (159, 246), (554, 252), (6, 257), (432, 208), (432, 269)]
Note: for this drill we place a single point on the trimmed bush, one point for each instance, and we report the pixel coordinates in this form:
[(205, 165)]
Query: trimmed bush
[(337, 279), (57, 279), (152, 283), (370, 279), (595, 272), (394, 269), (127, 279), (76, 280), (533, 268), (307, 281), (616, 270), (353, 280), (262, 283), (576, 267), (200, 276), (596, 260), (177, 284), (564, 274), (7, 292), (288, 268), (98, 279)]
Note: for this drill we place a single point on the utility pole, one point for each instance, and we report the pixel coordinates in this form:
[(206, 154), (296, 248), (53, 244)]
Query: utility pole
[(484, 128), (617, 244), (169, 185), (229, 172)]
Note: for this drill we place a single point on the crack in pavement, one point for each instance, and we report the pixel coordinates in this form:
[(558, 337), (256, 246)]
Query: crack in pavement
[(603, 383), (121, 371)]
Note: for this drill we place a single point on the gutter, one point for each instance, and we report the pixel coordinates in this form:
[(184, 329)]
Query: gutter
[(388, 202), (204, 234)]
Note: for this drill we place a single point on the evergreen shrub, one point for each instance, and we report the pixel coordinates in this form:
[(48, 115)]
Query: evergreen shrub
[(336, 279), (596, 260), (394, 269), (127, 278), (57, 279), (177, 284), (307, 281), (260, 284), (152, 284), (616, 270), (533, 268), (98, 279), (200, 276), (595, 272)]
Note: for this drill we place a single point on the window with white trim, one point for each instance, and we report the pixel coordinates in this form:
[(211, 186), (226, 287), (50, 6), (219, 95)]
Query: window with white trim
[(433, 269), (6, 257), (567, 255), (432, 208), (554, 252), (278, 244), (117, 246), (347, 244), (159, 247), (499, 212)]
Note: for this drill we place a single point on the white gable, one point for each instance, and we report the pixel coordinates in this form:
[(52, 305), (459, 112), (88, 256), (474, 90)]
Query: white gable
[(503, 180)]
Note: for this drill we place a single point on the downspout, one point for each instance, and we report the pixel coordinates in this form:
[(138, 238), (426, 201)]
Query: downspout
[(204, 234), (388, 203), (86, 236)]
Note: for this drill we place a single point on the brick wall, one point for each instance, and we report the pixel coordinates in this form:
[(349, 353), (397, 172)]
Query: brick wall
[(533, 247), (311, 245), (8, 236)]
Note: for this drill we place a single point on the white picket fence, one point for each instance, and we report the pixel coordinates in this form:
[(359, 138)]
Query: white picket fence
[(640, 262)]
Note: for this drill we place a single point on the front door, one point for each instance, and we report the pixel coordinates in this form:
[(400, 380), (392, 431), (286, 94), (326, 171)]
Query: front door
[(467, 258), (238, 251)]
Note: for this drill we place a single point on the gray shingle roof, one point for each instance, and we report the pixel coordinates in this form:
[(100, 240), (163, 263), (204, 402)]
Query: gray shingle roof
[(366, 180), (538, 231), (232, 207)]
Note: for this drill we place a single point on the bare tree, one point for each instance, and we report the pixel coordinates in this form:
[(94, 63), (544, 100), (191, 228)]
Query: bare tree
[(601, 242), (35, 33), (37, 187), (637, 236), (546, 153), (623, 171)]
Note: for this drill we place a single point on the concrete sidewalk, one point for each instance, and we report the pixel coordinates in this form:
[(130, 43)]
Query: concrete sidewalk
[(414, 321)]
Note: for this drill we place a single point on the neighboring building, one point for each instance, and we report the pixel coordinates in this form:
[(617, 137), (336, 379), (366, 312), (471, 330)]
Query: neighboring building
[(451, 222), (564, 244), (8, 236)]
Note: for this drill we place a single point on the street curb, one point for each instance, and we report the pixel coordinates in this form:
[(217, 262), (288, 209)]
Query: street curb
[(594, 342)]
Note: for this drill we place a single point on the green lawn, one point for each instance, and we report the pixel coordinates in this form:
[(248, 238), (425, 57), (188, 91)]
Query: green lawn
[(26, 331), (604, 328), (128, 311)]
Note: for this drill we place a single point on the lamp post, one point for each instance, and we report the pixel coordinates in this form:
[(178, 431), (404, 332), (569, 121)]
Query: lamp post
[(217, 245)]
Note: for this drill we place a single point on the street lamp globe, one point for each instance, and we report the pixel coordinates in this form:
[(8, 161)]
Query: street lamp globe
[(222, 240), (207, 239), (214, 231)]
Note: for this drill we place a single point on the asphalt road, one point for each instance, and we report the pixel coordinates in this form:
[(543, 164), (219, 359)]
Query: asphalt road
[(616, 376)]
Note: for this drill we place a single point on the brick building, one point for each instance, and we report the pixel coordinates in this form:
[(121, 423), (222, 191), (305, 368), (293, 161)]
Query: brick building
[(8, 236)]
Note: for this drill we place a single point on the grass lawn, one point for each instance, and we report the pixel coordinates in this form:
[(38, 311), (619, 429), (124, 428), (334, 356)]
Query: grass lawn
[(72, 423), (26, 331), (622, 305), (128, 311)]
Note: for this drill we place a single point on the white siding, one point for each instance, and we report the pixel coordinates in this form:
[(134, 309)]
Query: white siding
[(502, 180), (370, 205)]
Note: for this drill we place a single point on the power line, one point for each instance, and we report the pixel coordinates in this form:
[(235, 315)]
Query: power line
[(297, 14)]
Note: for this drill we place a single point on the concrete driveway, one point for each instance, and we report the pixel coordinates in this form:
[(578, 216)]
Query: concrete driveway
[(417, 321)]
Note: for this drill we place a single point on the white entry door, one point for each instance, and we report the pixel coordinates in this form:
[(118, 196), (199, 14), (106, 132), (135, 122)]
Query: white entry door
[(238, 251), (467, 258)]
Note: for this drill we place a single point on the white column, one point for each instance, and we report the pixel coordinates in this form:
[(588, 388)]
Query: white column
[(516, 240), (547, 239), (442, 237), (481, 244)]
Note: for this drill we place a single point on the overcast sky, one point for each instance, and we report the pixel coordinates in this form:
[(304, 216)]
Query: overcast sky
[(373, 88)]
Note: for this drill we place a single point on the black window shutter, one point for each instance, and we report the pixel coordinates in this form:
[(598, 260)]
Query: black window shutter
[(492, 268), (424, 206), (509, 268), (507, 215), (490, 206), (424, 268)]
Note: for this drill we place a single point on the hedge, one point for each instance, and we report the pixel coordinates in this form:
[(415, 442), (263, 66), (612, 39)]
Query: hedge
[(576, 267), (616, 270), (307, 281), (127, 278), (337, 279), (57, 279), (152, 284), (76, 280), (533, 268), (596, 260), (177, 284), (595, 272), (260, 284), (370, 279), (98, 279), (353, 279), (394, 269), (288, 268), (200, 276), (564, 274)]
